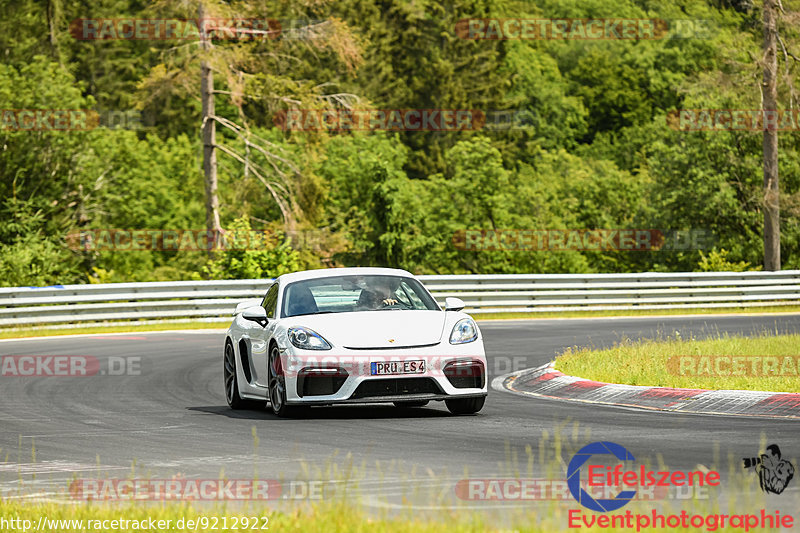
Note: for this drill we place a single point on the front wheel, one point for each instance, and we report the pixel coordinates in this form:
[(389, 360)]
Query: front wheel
[(277, 386), (231, 381), (465, 406)]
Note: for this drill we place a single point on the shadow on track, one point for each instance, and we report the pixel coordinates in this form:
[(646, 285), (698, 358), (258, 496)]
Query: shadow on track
[(341, 412)]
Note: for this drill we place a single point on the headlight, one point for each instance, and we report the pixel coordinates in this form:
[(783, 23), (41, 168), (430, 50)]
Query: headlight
[(464, 331), (307, 339)]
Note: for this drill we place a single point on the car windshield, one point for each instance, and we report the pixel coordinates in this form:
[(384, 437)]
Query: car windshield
[(342, 294)]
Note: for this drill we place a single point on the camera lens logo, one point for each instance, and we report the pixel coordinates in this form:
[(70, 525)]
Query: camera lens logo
[(574, 476), (774, 473)]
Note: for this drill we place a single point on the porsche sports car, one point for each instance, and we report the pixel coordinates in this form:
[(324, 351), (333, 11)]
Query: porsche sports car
[(353, 335)]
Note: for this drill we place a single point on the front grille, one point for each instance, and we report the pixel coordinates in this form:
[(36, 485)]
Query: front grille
[(465, 374), (313, 382), (392, 347), (396, 387)]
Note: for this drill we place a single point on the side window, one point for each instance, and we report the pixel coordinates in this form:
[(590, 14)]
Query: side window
[(410, 294), (271, 301)]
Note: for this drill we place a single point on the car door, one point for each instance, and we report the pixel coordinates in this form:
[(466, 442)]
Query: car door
[(259, 338)]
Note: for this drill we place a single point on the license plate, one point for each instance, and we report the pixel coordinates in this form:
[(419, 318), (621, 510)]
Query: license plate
[(398, 367)]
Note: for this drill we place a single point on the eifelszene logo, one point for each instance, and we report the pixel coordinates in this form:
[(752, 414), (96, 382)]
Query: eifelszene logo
[(774, 473), (599, 475), (574, 476)]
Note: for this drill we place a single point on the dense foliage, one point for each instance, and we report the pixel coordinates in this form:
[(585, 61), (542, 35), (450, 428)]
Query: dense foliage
[(590, 147)]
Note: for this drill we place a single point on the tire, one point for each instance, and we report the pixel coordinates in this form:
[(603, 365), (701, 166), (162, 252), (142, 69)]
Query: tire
[(418, 403), (231, 380), (465, 406), (277, 386)]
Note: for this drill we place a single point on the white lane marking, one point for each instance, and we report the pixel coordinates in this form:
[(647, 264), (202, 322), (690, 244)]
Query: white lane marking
[(200, 460), (105, 432), (373, 501), (48, 467), (122, 333)]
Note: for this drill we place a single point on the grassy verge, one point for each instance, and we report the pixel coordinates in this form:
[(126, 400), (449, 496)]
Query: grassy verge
[(126, 328), (419, 502), (323, 518), (16, 333), (186, 517), (341, 516), (766, 363), (632, 312)]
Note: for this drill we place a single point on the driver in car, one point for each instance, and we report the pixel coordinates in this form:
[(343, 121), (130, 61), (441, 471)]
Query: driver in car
[(380, 294)]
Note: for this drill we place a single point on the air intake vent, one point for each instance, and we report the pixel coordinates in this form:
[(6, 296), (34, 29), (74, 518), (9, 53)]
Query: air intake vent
[(396, 387)]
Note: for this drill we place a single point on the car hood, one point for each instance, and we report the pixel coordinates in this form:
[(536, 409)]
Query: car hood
[(376, 329)]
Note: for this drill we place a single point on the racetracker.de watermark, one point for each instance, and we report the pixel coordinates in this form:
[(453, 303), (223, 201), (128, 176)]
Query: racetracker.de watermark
[(756, 366), (571, 29), (182, 489), (212, 28), (582, 239), (25, 366), (539, 489), (68, 119), (343, 120), (734, 119), (111, 239), (340, 120)]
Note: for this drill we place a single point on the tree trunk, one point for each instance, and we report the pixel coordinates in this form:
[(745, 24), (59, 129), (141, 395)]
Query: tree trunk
[(213, 226), (772, 228)]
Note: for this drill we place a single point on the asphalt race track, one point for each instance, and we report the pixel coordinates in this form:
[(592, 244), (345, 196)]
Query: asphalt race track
[(172, 418)]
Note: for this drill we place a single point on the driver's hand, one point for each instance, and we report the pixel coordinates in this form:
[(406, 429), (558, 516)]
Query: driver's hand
[(389, 301)]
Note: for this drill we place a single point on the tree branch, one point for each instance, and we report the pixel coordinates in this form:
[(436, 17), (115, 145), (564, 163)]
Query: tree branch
[(285, 212)]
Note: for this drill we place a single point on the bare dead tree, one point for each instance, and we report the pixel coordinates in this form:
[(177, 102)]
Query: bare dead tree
[(209, 125), (236, 65), (772, 229)]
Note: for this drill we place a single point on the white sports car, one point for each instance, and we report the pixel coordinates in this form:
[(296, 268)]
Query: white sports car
[(353, 335)]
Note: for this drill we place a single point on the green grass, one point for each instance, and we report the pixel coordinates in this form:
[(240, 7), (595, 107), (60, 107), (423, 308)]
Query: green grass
[(321, 517), (127, 328), (633, 312), (426, 508), (346, 514), (657, 362), (15, 333)]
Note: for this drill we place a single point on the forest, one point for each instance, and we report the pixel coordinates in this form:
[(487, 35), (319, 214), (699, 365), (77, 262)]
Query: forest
[(441, 137)]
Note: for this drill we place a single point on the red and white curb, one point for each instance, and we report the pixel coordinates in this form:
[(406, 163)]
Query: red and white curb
[(547, 382)]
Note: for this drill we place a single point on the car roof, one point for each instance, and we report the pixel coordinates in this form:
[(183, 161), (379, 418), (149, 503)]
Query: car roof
[(349, 271)]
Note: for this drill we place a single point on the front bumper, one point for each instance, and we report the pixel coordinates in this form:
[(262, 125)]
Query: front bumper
[(451, 371)]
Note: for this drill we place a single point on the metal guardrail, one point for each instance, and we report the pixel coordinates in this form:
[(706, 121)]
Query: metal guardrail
[(493, 293)]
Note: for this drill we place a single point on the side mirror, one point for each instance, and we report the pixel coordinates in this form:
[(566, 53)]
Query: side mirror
[(253, 302), (256, 314), (453, 304)]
